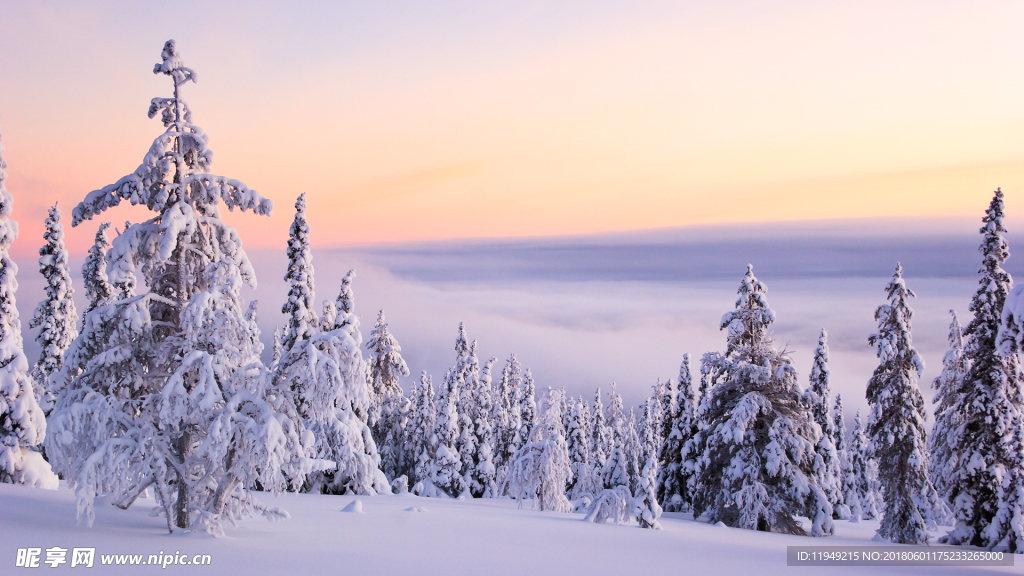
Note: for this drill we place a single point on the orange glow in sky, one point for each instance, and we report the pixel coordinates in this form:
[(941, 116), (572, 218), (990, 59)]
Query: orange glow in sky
[(403, 122)]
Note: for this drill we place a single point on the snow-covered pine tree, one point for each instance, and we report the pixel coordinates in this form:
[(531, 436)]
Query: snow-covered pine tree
[(864, 470), (632, 449), (481, 477), (55, 316), (506, 418), (22, 424), (615, 415), (896, 426), (302, 321), (988, 398), (422, 441), (753, 457), (601, 434), (945, 435), (527, 409), (446, 477), (681, 425), (165, 389), (650, 431), (584, 483), (848, 482), (467, 370), (645, 504), (327, 374), (386, 366), (1006, 530), (98, 290), (541, 468), (817, 395)]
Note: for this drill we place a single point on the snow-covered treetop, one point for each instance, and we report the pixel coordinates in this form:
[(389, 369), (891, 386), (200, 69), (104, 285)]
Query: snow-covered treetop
[(302, 322), (172, 178), (749, 322), (893, 340)]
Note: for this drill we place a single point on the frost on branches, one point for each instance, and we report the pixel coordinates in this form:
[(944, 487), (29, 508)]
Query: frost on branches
[(98, 290), (541, 468), (754, 459), (55, 316), (165, 389), (896, 426), (945, 437), (22, 425)]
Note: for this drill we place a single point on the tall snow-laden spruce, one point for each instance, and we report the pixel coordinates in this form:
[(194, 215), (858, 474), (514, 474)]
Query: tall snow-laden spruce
[(817, 394), (507, 416), (22, 424), (989, 403), (165, 389), (302, 321), (897, 423), (55, 316), (680, 426), (386, 366), (945, 437), (754, 458), (446, 477), (98, 289)]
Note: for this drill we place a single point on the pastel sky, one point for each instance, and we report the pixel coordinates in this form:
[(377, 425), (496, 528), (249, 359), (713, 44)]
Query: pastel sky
[(411, 120)]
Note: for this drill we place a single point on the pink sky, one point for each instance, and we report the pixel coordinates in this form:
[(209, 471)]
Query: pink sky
[(407, 122)]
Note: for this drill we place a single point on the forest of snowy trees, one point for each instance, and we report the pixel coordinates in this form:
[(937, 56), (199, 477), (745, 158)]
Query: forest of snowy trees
[(158, 388)]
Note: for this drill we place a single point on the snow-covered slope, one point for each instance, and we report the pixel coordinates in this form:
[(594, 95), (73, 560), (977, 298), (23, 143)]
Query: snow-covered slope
[(390, 536)]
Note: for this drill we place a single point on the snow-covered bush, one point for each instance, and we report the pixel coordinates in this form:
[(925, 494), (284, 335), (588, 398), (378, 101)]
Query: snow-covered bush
[(165, 389)]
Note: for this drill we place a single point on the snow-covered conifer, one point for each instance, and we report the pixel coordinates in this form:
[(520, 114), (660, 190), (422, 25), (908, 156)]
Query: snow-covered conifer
[(446, 476), (753, 457), (615, 415), (481, 476), (389, 408), (989, 398), (22, 424), (165, 389), (541, 468), (896, 426), (601, 434), (527, 409), (645, 504), (422, 433), (864, 470), (507, 416), (817, 395), (302, 321), (945, 435), (585, 483), (633, 450), (680, 425), (848, 482), (98, 290), (55, 316)]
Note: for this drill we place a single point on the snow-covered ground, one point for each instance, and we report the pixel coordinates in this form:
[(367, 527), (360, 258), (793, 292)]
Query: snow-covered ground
[(409, 535)]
